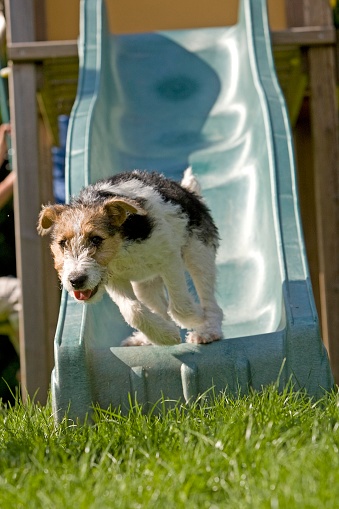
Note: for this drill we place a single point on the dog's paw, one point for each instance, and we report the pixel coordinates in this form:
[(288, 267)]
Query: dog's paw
[(200, 338), (137, 339)]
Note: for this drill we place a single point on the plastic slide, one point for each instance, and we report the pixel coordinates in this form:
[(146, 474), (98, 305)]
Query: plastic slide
[(208, 98)]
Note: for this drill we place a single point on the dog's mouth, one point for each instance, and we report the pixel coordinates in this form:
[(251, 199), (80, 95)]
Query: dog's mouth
[(85, 295)]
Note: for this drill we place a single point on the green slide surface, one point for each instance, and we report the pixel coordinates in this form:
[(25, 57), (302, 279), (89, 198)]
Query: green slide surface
[(206, 98)]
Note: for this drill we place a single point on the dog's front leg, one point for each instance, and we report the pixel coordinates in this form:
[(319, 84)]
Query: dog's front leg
[(156, 329)]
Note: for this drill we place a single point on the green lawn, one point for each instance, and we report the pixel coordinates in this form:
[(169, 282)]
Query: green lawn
[(264, 450)]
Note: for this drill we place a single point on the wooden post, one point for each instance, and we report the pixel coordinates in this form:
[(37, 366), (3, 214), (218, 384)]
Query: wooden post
[(324, 125), (34, 271)]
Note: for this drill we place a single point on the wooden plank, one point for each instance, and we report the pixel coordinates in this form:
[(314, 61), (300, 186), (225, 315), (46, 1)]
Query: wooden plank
[(39, 16), (325, 134), (308, 13), (324, 111), (20, 20), (317, 12), (304, 36), (305, 163), (324, 125), (30, 192), (35, 350), (294, 13), (35, 51), (42, 50)]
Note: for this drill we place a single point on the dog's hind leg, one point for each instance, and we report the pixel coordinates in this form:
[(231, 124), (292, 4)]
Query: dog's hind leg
[(200, 262), (182, 306), (156, 329)]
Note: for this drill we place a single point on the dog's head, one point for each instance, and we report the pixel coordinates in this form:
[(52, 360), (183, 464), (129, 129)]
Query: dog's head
[(85, 238)]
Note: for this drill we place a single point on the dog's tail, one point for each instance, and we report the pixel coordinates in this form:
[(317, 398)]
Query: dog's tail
[(190, 182)]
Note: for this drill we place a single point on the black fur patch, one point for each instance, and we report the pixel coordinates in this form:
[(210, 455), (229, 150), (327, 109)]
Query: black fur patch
[(135, 228), (138, 228), (199, 216)]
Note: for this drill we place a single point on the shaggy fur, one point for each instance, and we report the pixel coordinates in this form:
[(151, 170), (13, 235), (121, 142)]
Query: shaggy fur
[(135, 235)]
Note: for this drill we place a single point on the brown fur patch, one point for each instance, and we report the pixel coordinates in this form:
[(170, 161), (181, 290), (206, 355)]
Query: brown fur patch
[(58, 257), (74, 230), (108, 250)]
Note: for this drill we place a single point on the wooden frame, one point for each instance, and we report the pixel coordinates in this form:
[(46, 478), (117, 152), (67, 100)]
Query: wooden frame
[(325, 141), (310, 27), (305, 36), (33, 187), (40, 50)]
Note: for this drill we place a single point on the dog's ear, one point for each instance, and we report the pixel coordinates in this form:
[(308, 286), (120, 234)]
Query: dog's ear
[(47, 218), (119, 208)]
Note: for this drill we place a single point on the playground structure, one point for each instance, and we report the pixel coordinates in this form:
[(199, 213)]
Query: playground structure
[(278, 315)]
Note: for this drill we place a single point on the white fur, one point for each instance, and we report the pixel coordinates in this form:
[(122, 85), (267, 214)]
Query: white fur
[(80, 262), (160, 263), (190, 182), (147, 280)]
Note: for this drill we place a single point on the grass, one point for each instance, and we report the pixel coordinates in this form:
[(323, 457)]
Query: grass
[(264, 450)]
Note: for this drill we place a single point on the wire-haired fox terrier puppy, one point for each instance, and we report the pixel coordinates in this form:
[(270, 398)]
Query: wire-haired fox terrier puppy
[(134, 235)]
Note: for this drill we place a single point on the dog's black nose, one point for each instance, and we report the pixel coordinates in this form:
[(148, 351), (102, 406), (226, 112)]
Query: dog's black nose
[(78, 282)]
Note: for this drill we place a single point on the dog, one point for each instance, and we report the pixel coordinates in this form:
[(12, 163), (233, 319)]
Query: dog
[(136, 235)]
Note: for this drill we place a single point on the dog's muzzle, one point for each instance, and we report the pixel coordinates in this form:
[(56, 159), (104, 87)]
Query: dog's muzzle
[(80, 292)]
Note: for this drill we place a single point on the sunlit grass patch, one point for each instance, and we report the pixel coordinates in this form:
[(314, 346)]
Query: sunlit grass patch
[(261, 450)]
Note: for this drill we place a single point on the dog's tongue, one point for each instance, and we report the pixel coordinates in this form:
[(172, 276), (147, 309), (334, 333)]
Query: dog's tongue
[(82, 294)]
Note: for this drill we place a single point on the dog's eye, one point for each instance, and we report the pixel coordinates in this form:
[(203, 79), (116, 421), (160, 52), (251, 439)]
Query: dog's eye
[(96, 241), (62, 243)]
